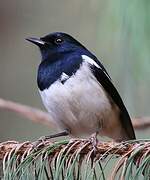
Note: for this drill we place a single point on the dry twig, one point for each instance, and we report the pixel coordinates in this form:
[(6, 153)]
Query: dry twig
[(30, 113)]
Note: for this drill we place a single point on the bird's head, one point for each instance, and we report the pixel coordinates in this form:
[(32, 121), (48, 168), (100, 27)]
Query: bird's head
[(56, 43)]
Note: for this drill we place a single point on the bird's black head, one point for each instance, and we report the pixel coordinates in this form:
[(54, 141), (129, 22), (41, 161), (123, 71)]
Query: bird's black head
[(56, 43), (61, 53)]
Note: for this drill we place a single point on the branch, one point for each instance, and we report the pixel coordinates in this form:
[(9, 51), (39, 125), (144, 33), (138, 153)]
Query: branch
[(42, 117), (85, 144), (141, 123), (28, 112), (61, 159)]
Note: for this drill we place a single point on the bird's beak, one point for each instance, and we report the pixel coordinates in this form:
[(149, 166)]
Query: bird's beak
[(36, 41)]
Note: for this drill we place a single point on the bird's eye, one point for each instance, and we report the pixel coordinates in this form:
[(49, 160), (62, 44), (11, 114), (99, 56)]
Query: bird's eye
[(58, 40)]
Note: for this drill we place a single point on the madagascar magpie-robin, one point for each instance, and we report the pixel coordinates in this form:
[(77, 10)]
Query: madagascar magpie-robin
[(77, 90)]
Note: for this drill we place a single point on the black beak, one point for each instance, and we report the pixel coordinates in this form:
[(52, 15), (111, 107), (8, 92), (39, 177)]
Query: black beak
[(35, 41)]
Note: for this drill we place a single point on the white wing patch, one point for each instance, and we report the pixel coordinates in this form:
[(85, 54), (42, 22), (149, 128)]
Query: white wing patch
[(64, 77), (90, 61)]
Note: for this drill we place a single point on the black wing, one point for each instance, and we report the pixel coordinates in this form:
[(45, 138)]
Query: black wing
[(104, 79)]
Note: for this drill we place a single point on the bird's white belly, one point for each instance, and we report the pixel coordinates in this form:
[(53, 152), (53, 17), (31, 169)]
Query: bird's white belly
[(80, 104)]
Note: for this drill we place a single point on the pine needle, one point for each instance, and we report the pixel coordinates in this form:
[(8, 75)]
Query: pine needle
[(76, 160)]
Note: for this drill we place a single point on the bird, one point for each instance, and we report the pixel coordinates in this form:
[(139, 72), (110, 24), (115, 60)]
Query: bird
[(78, 92)]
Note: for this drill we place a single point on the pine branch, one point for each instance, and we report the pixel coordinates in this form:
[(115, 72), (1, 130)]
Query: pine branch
[(102, 147), (65, 157), (39, 116)]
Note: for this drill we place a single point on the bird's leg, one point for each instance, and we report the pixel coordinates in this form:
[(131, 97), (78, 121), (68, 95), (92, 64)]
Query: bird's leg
[(63, 133), (44, 138), (94, 139)]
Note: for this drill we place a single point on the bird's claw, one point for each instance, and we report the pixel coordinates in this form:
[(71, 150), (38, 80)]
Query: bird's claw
[(40, 142), (94, 142)]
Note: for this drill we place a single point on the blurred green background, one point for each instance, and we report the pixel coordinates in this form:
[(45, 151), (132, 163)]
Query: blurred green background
[(118, 32)]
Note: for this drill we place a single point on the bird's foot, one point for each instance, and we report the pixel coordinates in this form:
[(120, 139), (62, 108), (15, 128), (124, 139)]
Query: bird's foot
[(42, 140), (94, 142)]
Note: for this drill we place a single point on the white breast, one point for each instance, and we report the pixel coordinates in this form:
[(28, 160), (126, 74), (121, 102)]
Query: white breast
[(81, 105)]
